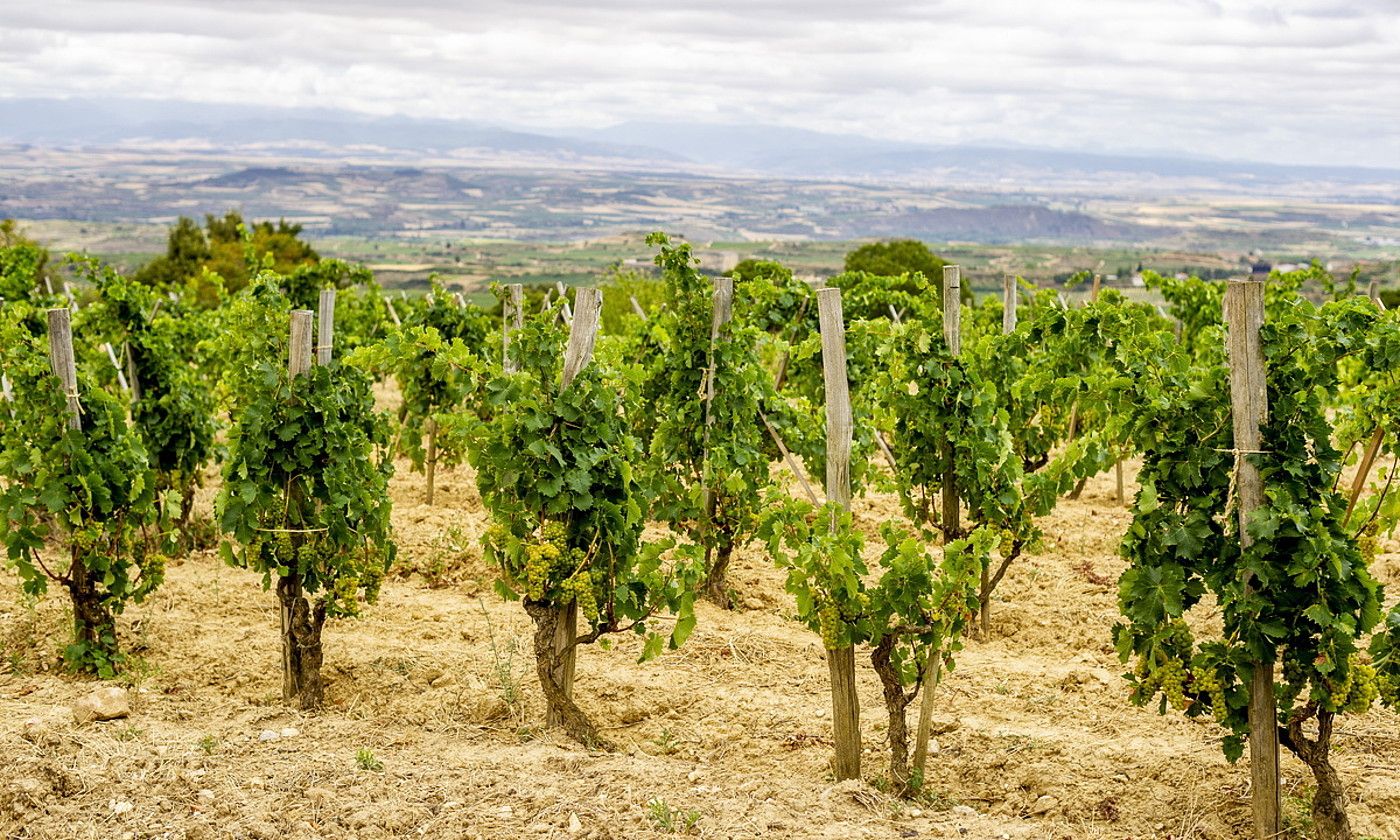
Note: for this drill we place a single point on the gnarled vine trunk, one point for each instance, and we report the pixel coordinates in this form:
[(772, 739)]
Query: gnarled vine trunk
[(550, 665), (896, 702), (1329, 805), (93, 626), (716, 586), (302, 621)]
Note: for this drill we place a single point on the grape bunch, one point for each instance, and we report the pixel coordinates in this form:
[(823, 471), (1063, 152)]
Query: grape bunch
[(1388, 686), (829, 622), (579, 587), (1207, 681), (1358, 690), (540, 559)]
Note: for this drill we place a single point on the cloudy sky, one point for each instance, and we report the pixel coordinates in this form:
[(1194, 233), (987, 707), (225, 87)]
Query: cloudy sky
[(1305, 81)]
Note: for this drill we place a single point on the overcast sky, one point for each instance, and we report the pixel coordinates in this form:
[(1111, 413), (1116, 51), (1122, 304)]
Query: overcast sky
[(1306, 81)]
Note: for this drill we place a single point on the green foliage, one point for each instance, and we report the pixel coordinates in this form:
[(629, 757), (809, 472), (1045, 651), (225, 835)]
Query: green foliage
[(619, 289), (894, 258), (305, 492), (89, 491), (228, 249), (706, 468), (175, 411), (1301, 593), (1194, 302), (431, 381), (556, 471), (24, 266)]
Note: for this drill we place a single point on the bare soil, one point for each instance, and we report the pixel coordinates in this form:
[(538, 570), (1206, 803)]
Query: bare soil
[(1035, 737)]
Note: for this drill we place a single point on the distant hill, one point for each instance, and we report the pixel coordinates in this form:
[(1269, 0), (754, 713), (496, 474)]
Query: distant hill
[(106, 122), (677, 146)]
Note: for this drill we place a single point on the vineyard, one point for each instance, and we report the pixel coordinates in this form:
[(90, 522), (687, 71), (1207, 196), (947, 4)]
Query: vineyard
[(734, 557)]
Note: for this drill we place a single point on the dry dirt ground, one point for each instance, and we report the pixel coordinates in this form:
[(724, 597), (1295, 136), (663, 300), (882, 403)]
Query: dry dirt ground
[(727, 737)]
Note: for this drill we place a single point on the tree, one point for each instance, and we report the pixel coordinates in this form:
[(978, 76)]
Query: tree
[(895, 257), (229, 248)]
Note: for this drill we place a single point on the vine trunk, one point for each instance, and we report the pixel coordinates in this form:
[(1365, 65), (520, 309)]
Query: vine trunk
[(302, 655)]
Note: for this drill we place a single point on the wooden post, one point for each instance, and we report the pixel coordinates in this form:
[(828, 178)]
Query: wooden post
[(894, 315), (1008, 304), (845, 703), (1244, 315), (393, 313), (583, 333), (1094, 289), (289, 589), (952, 335), (299, 348), (459, 300), (1363, 470), (1118, 477), (637, 308), (61, 359), (121, 374), (430, 460), (1374, 292), (722, 311), (512, 319), (577, 354), (72, 298), (325, 327), (952, 522)]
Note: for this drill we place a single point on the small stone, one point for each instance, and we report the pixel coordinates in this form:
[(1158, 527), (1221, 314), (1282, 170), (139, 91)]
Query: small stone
[(1044, 805), (488, 709), (122, 807), (432, 675), (575, 824), (505, 812), (694, 775), (963, 811), (753, 604), (35, 731), (205, 795), (289, 732), (442, 680), (107, 703)]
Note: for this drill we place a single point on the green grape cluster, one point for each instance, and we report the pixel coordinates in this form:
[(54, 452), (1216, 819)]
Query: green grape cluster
[(540, 559), (1206, 680), (852, 609), (1358, 690), (1388, 686), (829, 620), (579, 587), (1169, 678)]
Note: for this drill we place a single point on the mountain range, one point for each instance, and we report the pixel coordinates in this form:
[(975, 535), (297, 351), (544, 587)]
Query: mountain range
[(764, 150)]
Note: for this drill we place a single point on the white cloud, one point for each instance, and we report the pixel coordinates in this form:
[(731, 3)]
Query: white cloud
[(1300, 81)]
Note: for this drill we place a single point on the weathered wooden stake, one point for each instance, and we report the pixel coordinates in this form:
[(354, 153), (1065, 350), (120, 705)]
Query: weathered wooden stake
[(1094, 289), (577, 354), (845, 703), (1244, 315), (61, 359), (637, 308), (325, 327), (393, 313), (952, 522), (715, 564), (299, 348), (512, 319), (121, 374), (295, 662), (1008, 304)]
